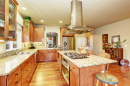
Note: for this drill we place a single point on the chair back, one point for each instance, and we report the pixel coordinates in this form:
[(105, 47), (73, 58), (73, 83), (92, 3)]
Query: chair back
[(105, 55)]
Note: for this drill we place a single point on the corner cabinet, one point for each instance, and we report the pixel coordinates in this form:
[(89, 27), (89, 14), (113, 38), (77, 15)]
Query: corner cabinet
[(8, 11)]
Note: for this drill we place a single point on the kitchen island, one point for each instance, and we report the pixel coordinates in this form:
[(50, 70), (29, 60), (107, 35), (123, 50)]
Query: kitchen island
[(82, 72)]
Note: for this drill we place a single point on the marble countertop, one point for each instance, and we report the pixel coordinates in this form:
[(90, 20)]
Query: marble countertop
[(91, 61)]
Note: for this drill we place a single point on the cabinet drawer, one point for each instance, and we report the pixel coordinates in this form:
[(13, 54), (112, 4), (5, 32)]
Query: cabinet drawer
[(26, 62), (74, 68), (25, 73), (15, 78)]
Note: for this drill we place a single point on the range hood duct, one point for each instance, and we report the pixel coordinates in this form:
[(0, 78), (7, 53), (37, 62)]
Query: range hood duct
[(76, 17)]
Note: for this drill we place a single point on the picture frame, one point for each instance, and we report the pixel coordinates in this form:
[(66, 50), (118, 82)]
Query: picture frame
[(105, 45), (115, 39), (105, 38)]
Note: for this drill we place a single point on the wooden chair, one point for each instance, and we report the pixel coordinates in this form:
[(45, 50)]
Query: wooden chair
[(107, 79), (105, 55)]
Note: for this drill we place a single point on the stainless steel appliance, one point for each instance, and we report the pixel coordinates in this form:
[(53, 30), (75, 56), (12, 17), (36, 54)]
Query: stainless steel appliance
[(68, 43), (65, 69)]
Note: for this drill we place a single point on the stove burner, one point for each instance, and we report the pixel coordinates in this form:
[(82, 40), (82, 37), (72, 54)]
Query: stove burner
[(74, 55)]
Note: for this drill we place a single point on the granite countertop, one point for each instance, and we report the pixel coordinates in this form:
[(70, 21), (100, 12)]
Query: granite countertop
[(8, 64), (91, 61)]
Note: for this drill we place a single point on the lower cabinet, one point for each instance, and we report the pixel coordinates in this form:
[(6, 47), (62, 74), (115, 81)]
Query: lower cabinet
[(74, 75), (21, 76), (28, 70), (15, 78), (46, 55)]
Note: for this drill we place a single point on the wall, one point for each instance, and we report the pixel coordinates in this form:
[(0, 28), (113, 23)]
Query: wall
[(121, 28), (51, 29)]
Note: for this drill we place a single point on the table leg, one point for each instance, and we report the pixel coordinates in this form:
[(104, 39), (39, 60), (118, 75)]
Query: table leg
[(97, 82), (106, 84)]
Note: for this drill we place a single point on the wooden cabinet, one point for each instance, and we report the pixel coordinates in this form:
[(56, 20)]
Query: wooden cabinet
[(46, 55), (62, 32), (39, 34), (84, 76), (8, 11), (28, 33), (21, 75), (74, 75), (28, 68), (116, 53), (15, 78), (62, 29), (60, 63)]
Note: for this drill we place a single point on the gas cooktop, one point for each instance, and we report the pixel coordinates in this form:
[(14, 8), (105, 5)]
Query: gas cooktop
[(74, 55)]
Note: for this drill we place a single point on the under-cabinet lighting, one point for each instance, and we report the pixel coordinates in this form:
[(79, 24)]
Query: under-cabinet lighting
[(24, 8)]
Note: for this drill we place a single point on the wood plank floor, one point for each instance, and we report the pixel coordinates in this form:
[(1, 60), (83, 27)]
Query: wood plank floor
[(47, 74)]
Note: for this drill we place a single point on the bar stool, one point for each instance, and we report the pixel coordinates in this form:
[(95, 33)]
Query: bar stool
[(107, 79)]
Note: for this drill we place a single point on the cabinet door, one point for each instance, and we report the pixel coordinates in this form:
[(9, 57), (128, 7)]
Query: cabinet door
[(52, 55), (74, 78), (46, 56), (31, 32), (2, 19), (38, 34), (60, 63), (12, 21), (40, 55)]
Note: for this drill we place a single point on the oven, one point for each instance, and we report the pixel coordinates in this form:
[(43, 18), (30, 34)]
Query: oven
[(65, 69)]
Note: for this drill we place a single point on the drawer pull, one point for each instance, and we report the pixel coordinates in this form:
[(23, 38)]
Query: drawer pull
[(73, 67), (27, 70), (27, 80), (16, 82), (27, 62), (70, 70), (17, 74)]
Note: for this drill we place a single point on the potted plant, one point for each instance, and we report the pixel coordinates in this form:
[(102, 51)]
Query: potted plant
[(118, 43), (27, 22)]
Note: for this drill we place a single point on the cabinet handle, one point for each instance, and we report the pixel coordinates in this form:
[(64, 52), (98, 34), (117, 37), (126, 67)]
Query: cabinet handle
[(17, 74), (73, 67), (70, 70), (16, 82), (27, 62), (27, 70), (27, 80)]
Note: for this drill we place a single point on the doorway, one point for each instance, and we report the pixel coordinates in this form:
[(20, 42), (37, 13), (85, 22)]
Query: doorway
[(52, 40)]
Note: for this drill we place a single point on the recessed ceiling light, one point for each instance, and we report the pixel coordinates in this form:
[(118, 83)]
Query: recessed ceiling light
[(24, 8), (42, 20), (60, 21)]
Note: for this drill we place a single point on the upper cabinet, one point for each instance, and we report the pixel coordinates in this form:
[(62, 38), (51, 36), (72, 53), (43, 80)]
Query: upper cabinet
[(28, 33), (39, 34), (8, 11), (62, 29)]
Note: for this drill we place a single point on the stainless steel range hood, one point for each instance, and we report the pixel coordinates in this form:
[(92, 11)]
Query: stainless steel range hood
[(76, 18)]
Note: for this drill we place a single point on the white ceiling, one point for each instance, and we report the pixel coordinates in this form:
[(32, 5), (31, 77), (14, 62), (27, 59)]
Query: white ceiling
[(96, 13)]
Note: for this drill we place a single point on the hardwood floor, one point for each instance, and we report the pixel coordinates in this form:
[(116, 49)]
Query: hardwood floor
[(122, 73), (47, 74)]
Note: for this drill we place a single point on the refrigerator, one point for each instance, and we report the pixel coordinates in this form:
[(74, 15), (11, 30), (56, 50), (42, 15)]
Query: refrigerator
[(68, 43)]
